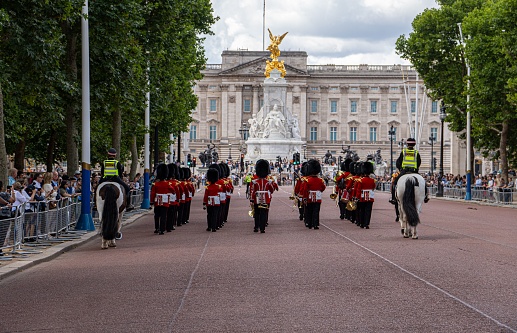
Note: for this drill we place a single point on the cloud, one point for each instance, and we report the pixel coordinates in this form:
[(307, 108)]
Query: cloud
[(330, 31)]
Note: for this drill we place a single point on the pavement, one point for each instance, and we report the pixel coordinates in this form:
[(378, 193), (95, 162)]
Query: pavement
[(32, 254)]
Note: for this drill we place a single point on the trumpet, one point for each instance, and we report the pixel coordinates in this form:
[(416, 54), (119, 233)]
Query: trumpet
[(333, 195)]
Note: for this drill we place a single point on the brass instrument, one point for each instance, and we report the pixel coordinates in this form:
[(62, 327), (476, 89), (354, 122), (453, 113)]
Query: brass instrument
[(251, 213), (333, 195)]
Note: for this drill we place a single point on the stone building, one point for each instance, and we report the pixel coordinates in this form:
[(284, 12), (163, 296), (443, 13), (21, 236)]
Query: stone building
[(337, 106)]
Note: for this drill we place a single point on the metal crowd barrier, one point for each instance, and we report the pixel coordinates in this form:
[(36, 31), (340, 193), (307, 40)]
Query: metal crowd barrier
[(49, 222), (503, 196)]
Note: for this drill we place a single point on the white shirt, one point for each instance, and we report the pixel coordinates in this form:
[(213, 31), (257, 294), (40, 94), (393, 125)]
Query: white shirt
[(21, 198)]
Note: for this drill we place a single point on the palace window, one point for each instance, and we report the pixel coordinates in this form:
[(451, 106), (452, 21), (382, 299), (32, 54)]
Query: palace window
[(353, 106), (394, 105), (213, 104), (247, 105), (333, 134), (413, 106), (314, 133), (353, 134), (434, 133), (434, 107), (333, 106), (193, 132), (314, 105), (373, 134), (213, 132), (373, 106)]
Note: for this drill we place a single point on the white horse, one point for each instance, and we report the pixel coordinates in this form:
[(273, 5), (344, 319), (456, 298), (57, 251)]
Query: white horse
[(410, 194), (111, 204)]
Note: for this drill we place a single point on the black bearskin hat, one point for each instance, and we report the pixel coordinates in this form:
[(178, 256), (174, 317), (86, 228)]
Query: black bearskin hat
[(345, 166), (367, 168), (218, 168), (352, 168), (262, 168), (188, 173), (212, 175), (224, 169), (303, 169), (173, 171), (162, 171), (313, 167), (180, 173), (358, 168)]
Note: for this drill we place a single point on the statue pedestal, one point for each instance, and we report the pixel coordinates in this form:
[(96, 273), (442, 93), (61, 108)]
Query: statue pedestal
[(274, 131), (270, 148)]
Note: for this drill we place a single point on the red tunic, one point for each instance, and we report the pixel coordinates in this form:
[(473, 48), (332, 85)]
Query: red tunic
[(364, 189), (313, 188), (174, 192), (211, 197), (261, 190), (160, 193)]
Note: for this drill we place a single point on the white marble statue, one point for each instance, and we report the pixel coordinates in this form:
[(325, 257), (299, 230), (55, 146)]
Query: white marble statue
[(274, 122), (254, 127), (296, 129)]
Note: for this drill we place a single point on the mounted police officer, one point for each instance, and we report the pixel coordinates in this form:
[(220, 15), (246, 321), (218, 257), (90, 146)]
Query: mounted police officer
[(408, 162), (111, 170)]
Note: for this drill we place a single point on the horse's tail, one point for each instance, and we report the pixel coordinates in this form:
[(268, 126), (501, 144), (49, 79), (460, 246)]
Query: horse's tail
[(408, 202), (109, 226)]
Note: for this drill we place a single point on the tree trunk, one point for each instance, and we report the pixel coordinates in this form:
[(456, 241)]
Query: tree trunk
[(134, 158), (502, 151), (3, 151), (72, 155), (19, 155), (50, 151)]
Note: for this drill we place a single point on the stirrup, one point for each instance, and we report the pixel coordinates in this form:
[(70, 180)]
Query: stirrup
[(392, 201)]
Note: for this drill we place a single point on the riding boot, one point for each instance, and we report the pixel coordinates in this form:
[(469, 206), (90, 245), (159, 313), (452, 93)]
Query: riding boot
[(392, 200), (426, 199), (129, 206)]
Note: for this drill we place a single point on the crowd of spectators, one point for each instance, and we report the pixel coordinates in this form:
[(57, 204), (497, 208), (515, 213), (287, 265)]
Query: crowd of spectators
[(36, 190)]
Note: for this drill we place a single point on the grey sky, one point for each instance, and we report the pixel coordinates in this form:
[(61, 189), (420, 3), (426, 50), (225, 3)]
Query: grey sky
[(331, 31)]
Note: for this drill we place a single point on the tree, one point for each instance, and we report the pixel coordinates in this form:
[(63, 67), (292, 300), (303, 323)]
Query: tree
[(489, 52), (434, 50)]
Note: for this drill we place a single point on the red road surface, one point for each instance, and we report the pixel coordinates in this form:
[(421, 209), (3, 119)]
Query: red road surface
[(460, 276)]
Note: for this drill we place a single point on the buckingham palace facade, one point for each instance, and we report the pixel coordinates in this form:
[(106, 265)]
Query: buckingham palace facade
[(338, 106)]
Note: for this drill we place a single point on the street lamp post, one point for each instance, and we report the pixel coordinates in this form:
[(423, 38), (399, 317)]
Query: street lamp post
[(391, 134), (230, 154), (443, 115), (243, 131), (431, 141), (304, 150)]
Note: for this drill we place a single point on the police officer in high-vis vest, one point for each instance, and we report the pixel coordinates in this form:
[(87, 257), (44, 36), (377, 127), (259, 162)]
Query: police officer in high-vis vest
[(408, 162), (111, 170)]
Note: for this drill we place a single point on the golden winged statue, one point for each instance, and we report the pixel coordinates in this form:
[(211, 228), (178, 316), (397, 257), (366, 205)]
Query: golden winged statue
[(273, 47), (275, 53)]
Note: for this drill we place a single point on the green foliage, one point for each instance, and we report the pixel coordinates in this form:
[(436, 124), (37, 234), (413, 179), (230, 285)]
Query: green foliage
[(434, 50), (127, 37)]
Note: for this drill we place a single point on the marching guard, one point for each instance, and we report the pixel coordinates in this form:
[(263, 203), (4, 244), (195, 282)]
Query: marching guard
[(174, 193), (312, 190), (340, 186), (350, 184), (160, 199), (191, 190), (211, 200), (261, 190), (364, 192), (300, 178)]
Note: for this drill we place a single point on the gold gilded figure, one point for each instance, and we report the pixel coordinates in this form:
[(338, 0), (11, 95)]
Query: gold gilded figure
[(275, 53)]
